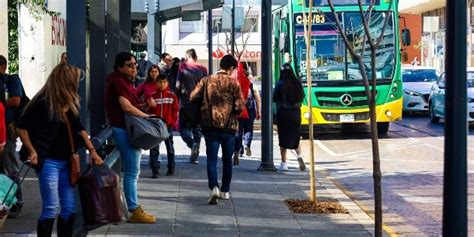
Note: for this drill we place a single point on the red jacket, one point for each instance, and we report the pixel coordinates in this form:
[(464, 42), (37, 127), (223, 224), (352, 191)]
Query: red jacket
[(167, 106), (244, 82)]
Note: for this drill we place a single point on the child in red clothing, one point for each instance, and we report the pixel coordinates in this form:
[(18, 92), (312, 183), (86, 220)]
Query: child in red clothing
[(164, 104)]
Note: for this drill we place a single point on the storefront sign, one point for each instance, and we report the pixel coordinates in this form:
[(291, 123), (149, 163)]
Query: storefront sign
[(248, 54), (58, 31)]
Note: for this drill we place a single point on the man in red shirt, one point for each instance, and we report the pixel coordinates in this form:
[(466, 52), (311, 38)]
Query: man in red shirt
[(120, 99), (189, 75)]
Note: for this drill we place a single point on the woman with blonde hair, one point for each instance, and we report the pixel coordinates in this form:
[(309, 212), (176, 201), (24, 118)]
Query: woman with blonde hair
[(43, 128)]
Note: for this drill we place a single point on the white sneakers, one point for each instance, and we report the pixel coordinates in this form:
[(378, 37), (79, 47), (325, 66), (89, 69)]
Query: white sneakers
[(283, 166), (215, 194), (225, 195)]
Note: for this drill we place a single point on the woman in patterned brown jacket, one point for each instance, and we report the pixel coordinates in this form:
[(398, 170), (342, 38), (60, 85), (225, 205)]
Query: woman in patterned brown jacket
[(221, 101)]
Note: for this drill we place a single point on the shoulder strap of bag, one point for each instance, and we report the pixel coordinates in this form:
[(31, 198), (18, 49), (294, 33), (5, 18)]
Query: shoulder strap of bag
[(69, 134)]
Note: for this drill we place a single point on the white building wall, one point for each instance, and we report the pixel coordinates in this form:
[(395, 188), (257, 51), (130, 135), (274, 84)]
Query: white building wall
[(41, 43), (4, 28), (176, 43)]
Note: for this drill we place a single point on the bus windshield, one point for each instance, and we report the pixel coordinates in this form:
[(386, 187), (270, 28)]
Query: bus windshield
[(331, 60)]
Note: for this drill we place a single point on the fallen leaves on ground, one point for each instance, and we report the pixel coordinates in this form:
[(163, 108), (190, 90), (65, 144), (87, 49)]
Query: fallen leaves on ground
[(320, 207)]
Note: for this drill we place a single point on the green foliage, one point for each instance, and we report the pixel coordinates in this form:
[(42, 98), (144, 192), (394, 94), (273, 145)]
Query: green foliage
[(37, 9), (12, 36)]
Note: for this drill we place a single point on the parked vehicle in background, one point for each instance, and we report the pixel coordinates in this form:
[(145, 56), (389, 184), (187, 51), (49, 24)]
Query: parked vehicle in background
[(417, 83), (437, 98)]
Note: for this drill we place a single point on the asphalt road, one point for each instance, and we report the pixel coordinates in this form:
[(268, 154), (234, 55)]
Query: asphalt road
[(412, 166)]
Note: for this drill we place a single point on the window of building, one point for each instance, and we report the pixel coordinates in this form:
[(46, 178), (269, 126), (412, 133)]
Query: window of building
[(191, 26), (216, 24), (250, 25)]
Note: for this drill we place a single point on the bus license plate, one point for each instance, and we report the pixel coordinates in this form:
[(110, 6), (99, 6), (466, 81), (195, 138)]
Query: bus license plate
[(344, 118)]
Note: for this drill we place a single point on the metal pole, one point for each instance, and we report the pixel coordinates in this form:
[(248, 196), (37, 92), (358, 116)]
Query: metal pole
[(232, 36), (97, 64), (158, 40), (455, 142), (76, 49), (209, 40), (125, 13), (267, 122)]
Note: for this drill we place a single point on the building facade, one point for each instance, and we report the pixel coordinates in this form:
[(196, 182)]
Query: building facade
[(181, 35), (41, 41), (433, 16)]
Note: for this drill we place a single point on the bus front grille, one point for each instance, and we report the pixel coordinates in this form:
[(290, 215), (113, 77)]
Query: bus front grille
[(333, 117), (334, 99), (338, 104)]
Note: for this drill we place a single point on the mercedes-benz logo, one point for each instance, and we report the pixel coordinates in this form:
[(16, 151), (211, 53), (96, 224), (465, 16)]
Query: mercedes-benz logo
[(346, 99)]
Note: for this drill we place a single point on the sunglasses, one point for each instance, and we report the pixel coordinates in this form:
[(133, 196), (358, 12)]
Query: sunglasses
[(131, 65)]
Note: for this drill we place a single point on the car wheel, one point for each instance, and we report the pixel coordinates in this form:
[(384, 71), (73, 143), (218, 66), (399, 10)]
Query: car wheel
[(382, 127), (433, 117)]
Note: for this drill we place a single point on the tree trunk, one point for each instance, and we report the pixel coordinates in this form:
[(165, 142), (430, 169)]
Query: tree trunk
[(376, 173)]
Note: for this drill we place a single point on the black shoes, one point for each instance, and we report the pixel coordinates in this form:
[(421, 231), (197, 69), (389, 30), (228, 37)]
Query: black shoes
[(15, 211), (170, 172)]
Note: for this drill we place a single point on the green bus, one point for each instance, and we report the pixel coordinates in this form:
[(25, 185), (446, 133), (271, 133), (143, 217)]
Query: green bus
[(338, 94)]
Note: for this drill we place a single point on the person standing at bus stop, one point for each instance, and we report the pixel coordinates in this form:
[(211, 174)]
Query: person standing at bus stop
[(49, 120), (12, 96), (288, 96), (120, 99)]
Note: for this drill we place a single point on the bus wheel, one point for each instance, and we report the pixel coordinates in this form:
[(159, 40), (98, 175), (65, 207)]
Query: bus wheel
[(382, 127)]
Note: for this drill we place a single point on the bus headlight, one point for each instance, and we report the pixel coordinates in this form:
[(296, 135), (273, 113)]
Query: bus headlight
[(306, 115), (392, 96), (388, 113)]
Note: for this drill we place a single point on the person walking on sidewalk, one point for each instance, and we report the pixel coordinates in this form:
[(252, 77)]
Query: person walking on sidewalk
[(164, 104), (43, 128), (253, 106), (244, 82), (120, 98), (249, 114), (288, 96), (221, 99), (14, 99), (189, 75)]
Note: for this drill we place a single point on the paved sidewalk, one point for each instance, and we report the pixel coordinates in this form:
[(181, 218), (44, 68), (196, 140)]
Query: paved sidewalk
[(256, 207)]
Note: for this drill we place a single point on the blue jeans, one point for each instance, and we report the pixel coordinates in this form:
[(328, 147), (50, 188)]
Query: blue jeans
[(245, 135), (155, 153), (189, 132), (131, 157), (56, 190), (214, 139)]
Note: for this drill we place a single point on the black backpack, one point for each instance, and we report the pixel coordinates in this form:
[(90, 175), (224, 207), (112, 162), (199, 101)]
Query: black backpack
[(250, 103)]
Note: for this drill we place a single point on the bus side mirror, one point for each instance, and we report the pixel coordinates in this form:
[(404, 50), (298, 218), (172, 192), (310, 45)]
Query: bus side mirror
[(406, 38)]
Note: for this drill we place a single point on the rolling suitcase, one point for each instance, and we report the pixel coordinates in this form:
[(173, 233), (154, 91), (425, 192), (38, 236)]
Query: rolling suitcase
[(9, 199)]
